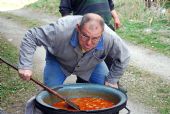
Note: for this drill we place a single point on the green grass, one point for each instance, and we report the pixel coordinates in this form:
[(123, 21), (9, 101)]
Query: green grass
[(137, 19), (136, 32), (166, 4), (48, 6), (147, 88), (21, 20), (12, 88)]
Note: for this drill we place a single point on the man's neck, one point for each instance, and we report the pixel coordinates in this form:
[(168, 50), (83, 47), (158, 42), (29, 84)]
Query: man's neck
[(82, 50)]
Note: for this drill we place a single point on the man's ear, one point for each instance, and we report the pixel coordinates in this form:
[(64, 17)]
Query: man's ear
[(78, 27)]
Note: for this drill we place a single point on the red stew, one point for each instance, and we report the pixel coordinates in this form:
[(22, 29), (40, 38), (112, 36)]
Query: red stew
[(86, 103)]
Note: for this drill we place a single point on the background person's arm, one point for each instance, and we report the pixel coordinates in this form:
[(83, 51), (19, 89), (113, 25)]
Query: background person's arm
[(114, 15), (65, 7), (116, 19)]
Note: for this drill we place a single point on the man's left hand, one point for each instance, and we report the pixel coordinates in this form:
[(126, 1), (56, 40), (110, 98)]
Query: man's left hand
[(111, 85)]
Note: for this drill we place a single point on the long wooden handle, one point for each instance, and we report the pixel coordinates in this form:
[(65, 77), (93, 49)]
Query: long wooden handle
[(36, 81), (48, 89), (71, 104)]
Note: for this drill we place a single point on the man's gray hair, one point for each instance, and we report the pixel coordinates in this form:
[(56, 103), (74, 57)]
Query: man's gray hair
[(87, 17)]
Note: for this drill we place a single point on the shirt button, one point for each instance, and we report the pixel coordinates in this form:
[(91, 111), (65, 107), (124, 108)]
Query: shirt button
[(78, 66)]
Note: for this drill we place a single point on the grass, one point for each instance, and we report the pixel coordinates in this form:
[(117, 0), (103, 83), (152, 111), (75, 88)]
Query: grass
[(143, 26), (147, 88), (12, 88), (21, 20), (152, 37), (48, 6)]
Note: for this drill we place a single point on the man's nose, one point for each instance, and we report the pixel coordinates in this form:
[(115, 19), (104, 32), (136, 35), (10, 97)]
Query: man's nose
[(89, 41)]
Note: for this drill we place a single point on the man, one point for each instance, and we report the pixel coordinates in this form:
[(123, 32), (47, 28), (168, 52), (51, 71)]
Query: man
[(78, 46), (104, 8)]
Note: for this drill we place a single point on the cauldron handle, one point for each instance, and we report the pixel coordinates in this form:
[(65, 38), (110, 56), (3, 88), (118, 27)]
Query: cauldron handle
[(127, 110)]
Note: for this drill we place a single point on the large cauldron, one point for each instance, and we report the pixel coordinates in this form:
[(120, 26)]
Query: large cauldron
[(44, 100)]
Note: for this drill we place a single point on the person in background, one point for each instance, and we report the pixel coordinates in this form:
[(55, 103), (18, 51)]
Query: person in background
[(75, 45), (104, 8)]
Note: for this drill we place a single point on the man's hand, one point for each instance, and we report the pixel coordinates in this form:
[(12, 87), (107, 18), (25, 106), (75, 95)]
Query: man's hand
[(116, 23), (115, 16), (111, 85), (25, 74)]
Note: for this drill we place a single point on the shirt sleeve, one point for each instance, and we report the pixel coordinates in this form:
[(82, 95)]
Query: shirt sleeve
[(34, 37), (65, 7), (111, 5), (49, 36), (121, 55)]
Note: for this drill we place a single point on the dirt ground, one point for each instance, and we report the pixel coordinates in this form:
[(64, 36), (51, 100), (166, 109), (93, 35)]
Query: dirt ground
[(14, 4), (143, 58)]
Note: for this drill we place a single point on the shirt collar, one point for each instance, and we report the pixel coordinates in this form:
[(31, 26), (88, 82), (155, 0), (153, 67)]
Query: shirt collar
[(74, 41)]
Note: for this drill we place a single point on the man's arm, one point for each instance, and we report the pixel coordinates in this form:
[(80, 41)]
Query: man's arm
[(111, 5), (121, 55), (114, 15), (65, 7), (33, 38)]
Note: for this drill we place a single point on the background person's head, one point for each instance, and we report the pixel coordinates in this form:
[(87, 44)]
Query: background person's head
[(89, 31)]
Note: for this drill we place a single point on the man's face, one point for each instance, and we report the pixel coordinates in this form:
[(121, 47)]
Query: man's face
[(89, 35)]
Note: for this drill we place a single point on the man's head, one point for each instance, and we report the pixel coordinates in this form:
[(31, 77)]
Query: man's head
[(89, 31)]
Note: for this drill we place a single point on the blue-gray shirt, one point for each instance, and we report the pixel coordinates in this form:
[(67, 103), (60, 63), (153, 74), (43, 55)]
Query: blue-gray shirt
[(60, 39)]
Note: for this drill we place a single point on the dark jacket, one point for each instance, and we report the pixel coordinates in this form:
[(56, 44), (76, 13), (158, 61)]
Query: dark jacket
[(81, 7)]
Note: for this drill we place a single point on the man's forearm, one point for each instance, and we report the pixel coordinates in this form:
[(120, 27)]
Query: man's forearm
[(114, 14)]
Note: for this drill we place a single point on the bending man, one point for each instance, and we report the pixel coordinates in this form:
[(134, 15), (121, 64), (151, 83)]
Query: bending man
[(79, 46)]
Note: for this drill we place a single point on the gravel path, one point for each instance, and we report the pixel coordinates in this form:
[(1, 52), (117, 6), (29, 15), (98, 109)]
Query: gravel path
[(141, 57), (150, 61), (14, 33)]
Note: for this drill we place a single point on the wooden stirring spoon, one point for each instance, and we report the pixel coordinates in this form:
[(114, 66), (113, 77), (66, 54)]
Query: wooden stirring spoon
[(70, 103)]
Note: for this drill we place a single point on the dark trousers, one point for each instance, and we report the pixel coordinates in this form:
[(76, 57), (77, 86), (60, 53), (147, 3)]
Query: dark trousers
[(108, 62)]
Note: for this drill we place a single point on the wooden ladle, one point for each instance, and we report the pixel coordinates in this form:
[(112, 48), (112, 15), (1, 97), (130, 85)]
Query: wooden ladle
[(70, 103)]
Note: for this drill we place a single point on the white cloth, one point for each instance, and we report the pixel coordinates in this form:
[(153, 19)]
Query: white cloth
[(30, 107)]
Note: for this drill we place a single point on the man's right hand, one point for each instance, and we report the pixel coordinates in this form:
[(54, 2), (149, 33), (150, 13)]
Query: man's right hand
[(25, 74)]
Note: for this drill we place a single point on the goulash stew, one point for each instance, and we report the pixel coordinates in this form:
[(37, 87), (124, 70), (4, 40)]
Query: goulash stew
[(86, 103)]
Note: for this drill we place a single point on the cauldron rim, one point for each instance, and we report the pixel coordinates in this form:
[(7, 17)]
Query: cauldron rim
[(121, 104)]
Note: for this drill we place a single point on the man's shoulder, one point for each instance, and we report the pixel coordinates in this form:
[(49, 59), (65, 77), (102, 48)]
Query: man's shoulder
[(67, 22), (110, 35), (70, 18), (108, 31)]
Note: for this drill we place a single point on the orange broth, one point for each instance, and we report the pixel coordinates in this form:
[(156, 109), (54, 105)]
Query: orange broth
[(86, 103)]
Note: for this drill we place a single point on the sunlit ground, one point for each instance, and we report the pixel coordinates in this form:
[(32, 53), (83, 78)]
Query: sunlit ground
[(6, 5)]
